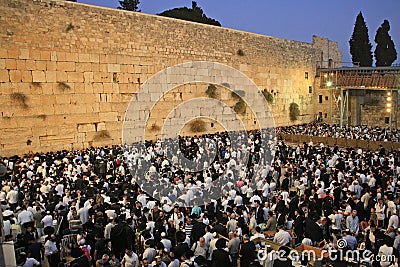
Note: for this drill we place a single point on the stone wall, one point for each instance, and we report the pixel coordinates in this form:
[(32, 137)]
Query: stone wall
[(68, 71), (330, 56)]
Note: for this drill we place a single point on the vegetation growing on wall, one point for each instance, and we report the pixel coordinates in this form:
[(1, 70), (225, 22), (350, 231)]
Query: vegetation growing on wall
[(240, 52), (63, 86), (238, 94), (240, 107), (268, 96), (36, 84), (197, 126), (294, 111), (154, 128), (102, 135), (69, 27), (20, 99), (212, 91)]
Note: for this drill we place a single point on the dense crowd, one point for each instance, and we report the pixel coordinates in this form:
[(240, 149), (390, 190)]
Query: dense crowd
[(349, 132), (148, 206)]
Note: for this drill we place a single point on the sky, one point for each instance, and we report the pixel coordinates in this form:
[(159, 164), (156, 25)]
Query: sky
[(291, 19)]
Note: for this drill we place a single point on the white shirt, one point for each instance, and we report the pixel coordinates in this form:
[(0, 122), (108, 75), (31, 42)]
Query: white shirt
[(394, 221), (47, 220), (49, 247), (7, 227), (282, 237), (130, 261), (12, 196), (83, 214), (384, 252), (167, 244), (25, 216), (30, 262)]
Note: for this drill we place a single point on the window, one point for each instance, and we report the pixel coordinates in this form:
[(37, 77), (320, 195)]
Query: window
[(212, 125), (326, 115), (306, 75), (326, 98), (387, 120), (310, 89), (320, 98)]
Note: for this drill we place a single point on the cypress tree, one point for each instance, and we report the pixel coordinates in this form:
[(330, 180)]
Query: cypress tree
[(360, 46), (385, 52)]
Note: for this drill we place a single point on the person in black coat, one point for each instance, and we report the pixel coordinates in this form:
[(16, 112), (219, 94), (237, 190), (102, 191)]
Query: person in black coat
[(293, 206), (199, 230), (299, 226), (259, 211), (247, 252), (281, 220), (220, 257), (285, 183)]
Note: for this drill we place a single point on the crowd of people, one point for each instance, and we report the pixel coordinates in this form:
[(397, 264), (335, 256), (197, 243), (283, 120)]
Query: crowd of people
[(150, 206), (349, 132)]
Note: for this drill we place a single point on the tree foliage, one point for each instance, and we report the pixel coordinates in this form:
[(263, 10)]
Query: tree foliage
[(385, 52), (360, 46), (194, 14), (131, 5)]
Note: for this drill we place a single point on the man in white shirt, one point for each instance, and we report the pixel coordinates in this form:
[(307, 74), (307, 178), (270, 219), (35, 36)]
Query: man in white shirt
[(12, 197), (47, 220), (23, 261), (25, 216), (51, 251), (83, 214), (282, 237), (393, 221), (166, 242)]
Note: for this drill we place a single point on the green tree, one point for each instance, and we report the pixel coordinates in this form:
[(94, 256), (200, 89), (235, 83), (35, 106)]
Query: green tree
[(385, 52), (131, 5), (360, 46), (194, 14)]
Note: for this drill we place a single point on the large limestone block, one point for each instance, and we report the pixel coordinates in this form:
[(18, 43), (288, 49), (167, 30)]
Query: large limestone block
[(38, 76), (4, 76), (108, 116)]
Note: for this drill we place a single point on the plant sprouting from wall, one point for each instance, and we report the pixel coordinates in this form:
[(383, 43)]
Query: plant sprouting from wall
[(197, 126), (36, 84), (268, 96), (63, 86), (212, 91), (240, 107), (238, 94), (20, 99), (101, 135), (154, 128), (69, 27)]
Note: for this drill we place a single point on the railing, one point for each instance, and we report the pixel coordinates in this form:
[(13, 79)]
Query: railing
[(341, 142)]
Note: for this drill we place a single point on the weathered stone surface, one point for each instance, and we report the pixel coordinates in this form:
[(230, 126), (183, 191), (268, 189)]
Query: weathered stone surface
[(104, 69)]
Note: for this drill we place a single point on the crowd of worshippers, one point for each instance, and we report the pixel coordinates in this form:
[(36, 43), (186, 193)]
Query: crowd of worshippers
[(349, 132), (130, 206)]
